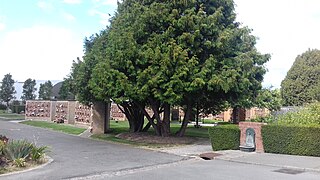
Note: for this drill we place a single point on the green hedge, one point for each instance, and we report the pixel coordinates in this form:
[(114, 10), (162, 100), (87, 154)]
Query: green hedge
[(224, 137), (17, 108), (294, 140)]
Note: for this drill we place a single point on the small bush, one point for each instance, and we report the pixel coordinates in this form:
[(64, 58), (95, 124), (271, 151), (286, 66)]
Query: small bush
[(308, 115), (17, 149), (18, 108), (294, 140), (226, 137), (37, 153), (3, 107)]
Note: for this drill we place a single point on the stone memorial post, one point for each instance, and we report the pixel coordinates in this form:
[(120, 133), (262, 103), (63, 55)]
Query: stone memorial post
[(100, 117)]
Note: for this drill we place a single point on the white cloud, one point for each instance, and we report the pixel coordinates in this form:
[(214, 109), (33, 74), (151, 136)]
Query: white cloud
[(104, 17), (2, 26), (109, 2), (72, 1), (68, 16), (46, 6), (39, 52), (2, 23), (285, 29)]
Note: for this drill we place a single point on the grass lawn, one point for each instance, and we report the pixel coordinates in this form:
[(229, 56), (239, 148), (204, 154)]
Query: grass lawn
[(191, 131), (123, 127), (11, 116), (57, 127)]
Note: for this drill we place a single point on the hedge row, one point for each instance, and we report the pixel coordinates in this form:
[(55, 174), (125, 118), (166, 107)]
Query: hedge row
[(224, 137), (17, 108), (294, 140)]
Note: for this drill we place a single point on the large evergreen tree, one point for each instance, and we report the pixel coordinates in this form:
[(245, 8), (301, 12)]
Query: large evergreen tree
[(302, 82), (29, 89), (45, 90), (162, 53), (7, 89)]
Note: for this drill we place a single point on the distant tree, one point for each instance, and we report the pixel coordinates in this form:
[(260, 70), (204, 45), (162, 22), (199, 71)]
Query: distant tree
[(7, 89), (302, 82), (269, 98), (45, 90), (29, 89), (65, 92)]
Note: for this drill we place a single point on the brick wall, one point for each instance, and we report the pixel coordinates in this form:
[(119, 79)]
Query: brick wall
[(257, 129)]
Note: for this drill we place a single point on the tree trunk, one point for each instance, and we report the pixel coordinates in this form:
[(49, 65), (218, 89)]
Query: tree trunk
[(147, 127), (186, 118), (134, 115), (234, 115), (165, 125)]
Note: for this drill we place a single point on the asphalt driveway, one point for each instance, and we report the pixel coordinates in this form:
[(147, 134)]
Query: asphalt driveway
[(76, 157)]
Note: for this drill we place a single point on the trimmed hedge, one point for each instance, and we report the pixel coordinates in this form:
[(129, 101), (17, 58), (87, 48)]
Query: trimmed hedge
[(294, 140), (224, 137), (18, 108)]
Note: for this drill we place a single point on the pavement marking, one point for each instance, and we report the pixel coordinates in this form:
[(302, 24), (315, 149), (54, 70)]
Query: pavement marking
[(132, 170)]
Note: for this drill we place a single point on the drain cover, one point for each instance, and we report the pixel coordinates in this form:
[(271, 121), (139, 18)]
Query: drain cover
[(289, 171), (209, 156)]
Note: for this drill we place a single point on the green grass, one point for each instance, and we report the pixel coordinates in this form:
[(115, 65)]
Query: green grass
[(191, 131), (56, 127), (123, 127), (11, 116)]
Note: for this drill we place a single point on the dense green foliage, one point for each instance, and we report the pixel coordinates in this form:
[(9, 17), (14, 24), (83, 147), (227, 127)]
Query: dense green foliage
[(302, 83), (224, 137), (164, 53), (45, 90), (19, 152), (307, 115), (269, 98), (295, 140), (7, 89), (29, 89)]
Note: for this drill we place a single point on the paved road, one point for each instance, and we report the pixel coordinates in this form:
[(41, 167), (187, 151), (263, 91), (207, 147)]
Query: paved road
[(80, 158), (75, 156), (215, 170)]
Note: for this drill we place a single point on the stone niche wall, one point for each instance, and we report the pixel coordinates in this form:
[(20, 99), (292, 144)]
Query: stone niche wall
[(83, 114), (258, 137), (38, 110), (61, 111)]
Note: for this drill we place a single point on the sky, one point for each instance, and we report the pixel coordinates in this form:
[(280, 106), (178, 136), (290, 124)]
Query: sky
[(39, 39)]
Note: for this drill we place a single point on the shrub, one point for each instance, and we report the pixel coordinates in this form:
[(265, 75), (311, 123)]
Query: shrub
[(308, 115), (17, 149), (17, 108), (3, 107), (20, 162), (224, 137), (37, 153), (294, 140), (4, 139)]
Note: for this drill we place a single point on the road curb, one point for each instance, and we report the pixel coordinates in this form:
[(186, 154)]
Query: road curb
[(270, 165)]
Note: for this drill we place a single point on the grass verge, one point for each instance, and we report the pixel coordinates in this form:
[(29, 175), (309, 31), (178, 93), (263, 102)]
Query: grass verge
[(11, 116), (123, 127), (56, 127)]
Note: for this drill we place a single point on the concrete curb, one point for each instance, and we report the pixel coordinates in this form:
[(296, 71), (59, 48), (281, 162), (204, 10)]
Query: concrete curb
[(267, 164), (50, 160)]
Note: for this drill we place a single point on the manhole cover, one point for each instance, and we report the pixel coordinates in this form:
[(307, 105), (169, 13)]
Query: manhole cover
[(289, 171), (209, 156)]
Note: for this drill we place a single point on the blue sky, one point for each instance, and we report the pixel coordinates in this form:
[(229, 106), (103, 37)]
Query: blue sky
[(40, 38)]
